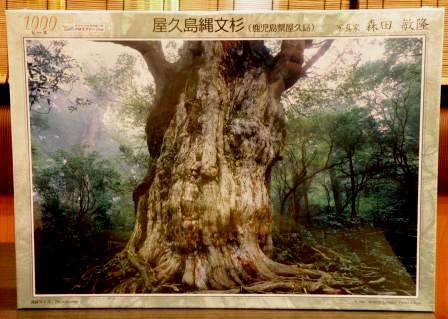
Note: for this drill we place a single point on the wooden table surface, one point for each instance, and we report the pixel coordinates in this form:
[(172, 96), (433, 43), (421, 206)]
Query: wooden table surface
[(442, 257)]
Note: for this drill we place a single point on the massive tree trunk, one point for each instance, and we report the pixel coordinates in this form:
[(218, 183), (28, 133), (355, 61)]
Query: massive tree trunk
[(203, 213)]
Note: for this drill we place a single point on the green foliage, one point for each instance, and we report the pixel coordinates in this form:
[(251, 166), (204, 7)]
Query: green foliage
[(119, 86), (353, 143), (83, 206), (137, 161), (49, 69), (351, 158), (80, 187)]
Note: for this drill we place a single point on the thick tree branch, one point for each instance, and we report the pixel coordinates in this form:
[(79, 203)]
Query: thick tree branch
[(160, 68), (287, 65), (152, 52), (324, 48), (190, 56)]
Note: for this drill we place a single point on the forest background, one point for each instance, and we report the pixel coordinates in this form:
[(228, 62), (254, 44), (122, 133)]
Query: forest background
[(345, 193)]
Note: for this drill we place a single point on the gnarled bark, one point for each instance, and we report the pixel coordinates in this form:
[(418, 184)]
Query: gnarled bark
[(204, 213)]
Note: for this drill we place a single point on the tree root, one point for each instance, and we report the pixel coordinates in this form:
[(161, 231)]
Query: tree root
[(230, 269), (122, 274), (147, 274), (222, 270)]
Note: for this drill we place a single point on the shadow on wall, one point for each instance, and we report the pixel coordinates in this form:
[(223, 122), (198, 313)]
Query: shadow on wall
[(443, 151), (6, 181), (6, 175)]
